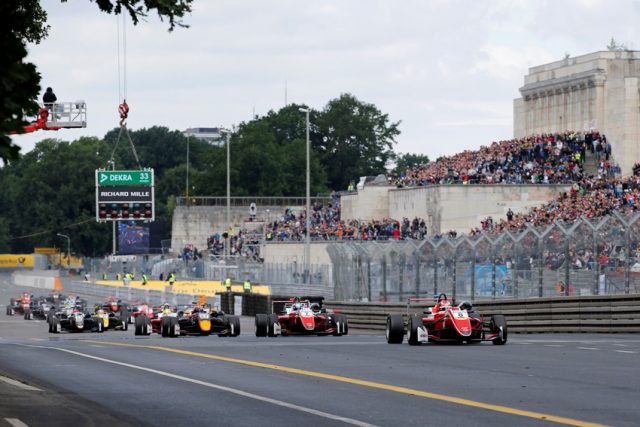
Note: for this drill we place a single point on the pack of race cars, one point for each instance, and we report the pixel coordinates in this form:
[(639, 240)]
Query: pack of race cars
[(443, 322)]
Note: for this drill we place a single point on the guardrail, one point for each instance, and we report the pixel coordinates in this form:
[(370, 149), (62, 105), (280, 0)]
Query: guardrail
[(607, 314)]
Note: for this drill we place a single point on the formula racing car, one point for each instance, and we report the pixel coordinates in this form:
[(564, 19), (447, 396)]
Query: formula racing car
[(21, 305), (74, 320), (191, 320), (446, 322), (304, 316)]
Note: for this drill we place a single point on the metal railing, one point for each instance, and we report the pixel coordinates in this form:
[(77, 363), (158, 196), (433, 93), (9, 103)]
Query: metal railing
[(587, 257), (246, 201)]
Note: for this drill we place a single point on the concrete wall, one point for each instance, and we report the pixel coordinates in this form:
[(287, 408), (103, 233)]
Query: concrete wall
[(600, 91), (288, 253), (372, 202), (194, 224), (447, 207)]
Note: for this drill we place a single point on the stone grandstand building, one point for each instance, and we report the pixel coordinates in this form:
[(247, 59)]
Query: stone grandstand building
[(599, 90)]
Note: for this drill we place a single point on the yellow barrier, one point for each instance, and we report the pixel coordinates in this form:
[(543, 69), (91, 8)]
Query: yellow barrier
[(16, 261), (203, 287)]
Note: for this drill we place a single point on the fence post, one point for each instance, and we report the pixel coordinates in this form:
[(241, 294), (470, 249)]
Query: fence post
[(540, 265), (369, 277), (455, 273), (567, 266), (627, 232), (384, 278), (417, 261), (473, 274), (435, 273), (401, 261)]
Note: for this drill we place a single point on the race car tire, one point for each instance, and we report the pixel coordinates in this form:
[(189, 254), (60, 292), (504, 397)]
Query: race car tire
[(262, 324), (147, 326), (164, 326), (124, 319), (27, 314), (394, 331), (140, 325), (174, 327), (100, 325), (271, 326), (55, 325), (345, 325), (12, 302), (9, 311), (338, 322), (498, 321), (235, 321), (415, 322), (132, 319)]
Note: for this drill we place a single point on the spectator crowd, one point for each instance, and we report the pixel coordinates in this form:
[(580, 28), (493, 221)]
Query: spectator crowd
[(539, 159)]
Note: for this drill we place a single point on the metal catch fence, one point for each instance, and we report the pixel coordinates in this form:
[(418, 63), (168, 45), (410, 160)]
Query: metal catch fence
[(587, 257)]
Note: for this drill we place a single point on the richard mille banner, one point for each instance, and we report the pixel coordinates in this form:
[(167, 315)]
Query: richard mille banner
[(121, 193)]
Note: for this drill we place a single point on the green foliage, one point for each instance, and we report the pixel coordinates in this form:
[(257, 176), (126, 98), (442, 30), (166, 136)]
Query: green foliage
[(52, 191), (613, 45), (353, 139), (5, 236), (138, 9), (21, 22), (269, 157), (24, 21), (409, 160)]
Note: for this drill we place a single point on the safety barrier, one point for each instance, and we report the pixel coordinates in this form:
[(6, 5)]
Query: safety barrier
[(608, 314)]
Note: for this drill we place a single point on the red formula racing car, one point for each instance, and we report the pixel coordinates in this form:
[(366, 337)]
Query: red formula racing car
[(446, 322), (301, 317), (21, 306)]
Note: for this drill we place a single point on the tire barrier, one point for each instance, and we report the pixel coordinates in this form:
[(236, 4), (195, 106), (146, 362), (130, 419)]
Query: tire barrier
[(606, 314)]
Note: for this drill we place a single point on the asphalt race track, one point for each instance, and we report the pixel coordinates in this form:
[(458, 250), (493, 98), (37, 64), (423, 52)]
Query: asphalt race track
[(116, 378)]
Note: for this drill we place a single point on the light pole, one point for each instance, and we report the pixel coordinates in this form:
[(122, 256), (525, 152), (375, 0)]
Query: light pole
[(307, 246), (68, 247), (227, 134), (187, 179)]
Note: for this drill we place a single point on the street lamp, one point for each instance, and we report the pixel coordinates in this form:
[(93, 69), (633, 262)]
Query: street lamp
[(307, 247), (68, 247), (227, 133), (187, 179)]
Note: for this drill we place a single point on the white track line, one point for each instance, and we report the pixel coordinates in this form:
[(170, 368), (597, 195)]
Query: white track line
[(625, 351), (587, 348), (15, 422), (19, 384), (217, 387)]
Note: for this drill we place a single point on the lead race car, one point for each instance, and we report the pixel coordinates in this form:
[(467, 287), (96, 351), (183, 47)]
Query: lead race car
[(446, 322), (302, 317)]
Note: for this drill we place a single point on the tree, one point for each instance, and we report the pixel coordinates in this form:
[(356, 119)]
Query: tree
[(268, 157), (408, 161), (353, 139), (613, 45), (52, 190), (24, 21)]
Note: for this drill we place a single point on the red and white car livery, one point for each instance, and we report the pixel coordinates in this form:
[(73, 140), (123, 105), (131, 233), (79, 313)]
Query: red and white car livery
[(445, 322), (301, 317)]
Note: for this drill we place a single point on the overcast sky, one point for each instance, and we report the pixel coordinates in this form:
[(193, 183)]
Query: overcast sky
[(449, 70)]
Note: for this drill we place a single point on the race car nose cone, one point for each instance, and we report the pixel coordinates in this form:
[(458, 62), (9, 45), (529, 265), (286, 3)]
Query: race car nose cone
[(308, 322), (205, 325)]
